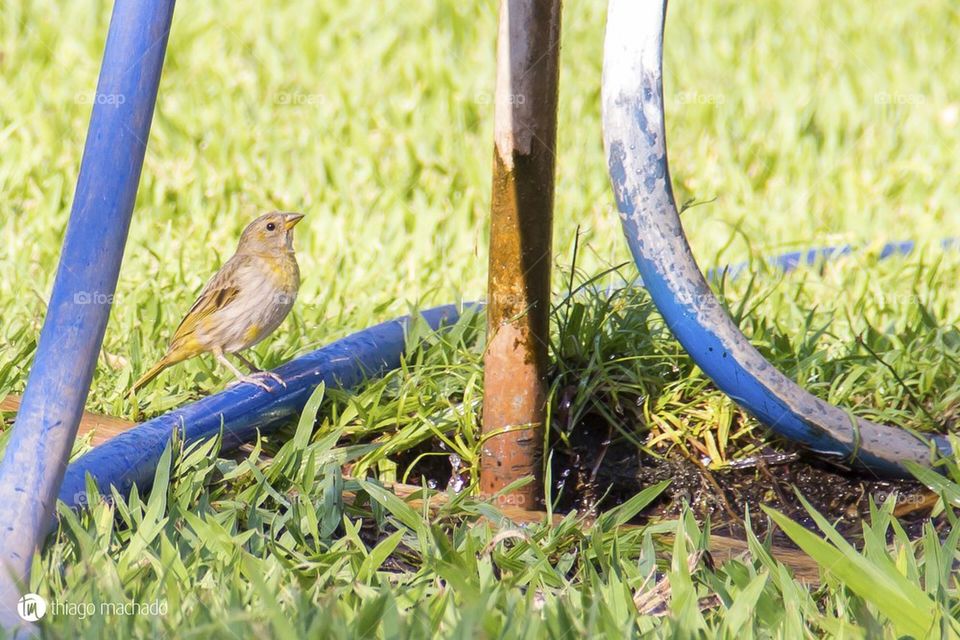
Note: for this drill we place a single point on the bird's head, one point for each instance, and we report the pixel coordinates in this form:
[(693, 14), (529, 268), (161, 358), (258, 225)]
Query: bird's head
[(270, 233)]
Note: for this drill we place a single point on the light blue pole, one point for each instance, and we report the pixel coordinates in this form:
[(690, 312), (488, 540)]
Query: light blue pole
[(36, 456), (636, 147)]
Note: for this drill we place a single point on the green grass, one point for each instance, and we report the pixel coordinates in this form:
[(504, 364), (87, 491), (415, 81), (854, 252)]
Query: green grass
[(801, 123)]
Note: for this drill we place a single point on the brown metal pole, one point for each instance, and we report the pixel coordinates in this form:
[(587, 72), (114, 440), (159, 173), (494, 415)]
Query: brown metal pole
[(518, 295)]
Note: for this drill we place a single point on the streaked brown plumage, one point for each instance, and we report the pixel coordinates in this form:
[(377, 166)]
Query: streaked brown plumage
[(244, 302)]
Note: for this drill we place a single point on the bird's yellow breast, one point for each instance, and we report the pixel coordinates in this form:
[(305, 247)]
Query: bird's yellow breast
[(284, 272), (252, 333)]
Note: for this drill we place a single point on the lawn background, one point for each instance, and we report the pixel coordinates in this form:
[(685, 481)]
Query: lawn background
[(797, 123)]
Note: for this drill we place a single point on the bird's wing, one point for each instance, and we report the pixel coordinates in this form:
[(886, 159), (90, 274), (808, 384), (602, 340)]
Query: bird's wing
[(217, 294)]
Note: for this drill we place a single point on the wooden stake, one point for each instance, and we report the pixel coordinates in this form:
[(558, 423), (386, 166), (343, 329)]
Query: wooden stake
[(518, 294)]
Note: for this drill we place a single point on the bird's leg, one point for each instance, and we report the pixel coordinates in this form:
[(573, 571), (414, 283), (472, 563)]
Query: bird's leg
[(249, 365), (252, 379), (257, 372)]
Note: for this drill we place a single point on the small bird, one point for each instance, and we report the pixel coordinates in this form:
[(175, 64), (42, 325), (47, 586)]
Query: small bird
[(243, 303)]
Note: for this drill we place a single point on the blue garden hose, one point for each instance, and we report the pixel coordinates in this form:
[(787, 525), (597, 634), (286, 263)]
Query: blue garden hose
[(791, 260), (243, 410), (635, 143)]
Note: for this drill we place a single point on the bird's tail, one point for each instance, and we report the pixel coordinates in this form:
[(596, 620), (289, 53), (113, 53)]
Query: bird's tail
[(154, 371)]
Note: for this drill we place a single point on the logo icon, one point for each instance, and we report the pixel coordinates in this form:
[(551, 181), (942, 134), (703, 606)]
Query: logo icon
[(31, 607)]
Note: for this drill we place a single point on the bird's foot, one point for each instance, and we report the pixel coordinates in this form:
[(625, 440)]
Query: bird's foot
[(259, 379), (272, 376)]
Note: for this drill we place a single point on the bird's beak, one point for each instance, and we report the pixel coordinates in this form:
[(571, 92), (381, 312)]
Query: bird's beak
[(292, 220)]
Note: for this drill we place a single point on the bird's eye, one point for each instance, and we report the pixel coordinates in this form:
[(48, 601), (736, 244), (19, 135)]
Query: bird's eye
[(271, 226)]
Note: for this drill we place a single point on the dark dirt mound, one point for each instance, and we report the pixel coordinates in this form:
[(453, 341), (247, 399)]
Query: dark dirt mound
[(595, 474)]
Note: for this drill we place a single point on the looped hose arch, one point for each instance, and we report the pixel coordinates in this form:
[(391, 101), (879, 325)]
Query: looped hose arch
[(636, 150)]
